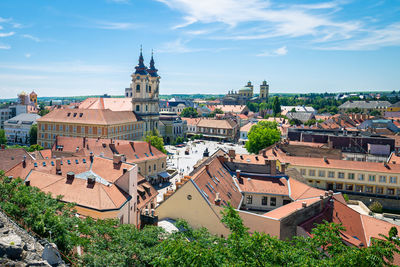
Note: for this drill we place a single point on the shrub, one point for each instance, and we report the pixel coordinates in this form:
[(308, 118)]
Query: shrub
[(376, 207)]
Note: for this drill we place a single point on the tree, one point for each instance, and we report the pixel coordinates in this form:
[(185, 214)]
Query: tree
[(33, 148), (276, 106), (216, 111), (189, 112), (156, 140), (43, 112), (375, 113), (262, 135), (376, 207), (33, 134), (3, 139)]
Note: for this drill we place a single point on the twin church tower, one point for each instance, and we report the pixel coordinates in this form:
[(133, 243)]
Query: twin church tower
[(144, 91)]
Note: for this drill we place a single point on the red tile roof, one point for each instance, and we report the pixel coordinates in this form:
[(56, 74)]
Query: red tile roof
[(220, 124), (12, 157), (114, 104), (266, 185)]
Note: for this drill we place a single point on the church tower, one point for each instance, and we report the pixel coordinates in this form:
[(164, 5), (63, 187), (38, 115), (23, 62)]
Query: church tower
[(145, 87), (264, 91)]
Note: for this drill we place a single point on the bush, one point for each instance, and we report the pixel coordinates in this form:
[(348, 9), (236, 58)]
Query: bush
[(346, 197), (376, 207)]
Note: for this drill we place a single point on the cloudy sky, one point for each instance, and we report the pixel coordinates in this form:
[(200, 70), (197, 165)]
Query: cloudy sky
[(71, 47)]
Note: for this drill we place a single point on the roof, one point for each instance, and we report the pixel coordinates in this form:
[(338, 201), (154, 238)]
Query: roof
[(97, 196), (290, 208), (146, 192), (12, 157), (114, 104), (247, 127), (301, 116), (365, 104), (24, 118), (220, 124), (191, 121), (229, 108), (134, 151), (211, 178), (45, 153), (266, 185), (89, 116)]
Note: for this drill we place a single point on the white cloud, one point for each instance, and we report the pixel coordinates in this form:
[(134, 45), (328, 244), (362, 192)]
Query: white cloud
[(281, 51), (178, 46), (1, 27), (4, 46), (27, 55), (33, 38), (6, 34), (108, 25)]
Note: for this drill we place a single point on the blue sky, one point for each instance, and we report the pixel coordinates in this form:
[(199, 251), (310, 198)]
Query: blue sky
[(64, 48)]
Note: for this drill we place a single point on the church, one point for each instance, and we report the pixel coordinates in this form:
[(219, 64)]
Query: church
[(246, 94)]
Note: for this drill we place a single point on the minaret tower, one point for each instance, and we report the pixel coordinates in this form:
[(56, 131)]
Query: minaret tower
[(145, 86), (264, 91)]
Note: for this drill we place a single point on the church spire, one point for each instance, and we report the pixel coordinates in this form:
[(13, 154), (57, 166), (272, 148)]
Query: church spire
[(152, 70), (141, 68)]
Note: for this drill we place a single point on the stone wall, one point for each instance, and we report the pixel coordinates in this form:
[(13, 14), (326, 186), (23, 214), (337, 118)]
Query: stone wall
[(387, 203), (19, 248)]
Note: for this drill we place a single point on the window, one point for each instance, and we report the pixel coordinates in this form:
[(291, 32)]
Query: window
[(379, 190), (350, 176), (359, 188), (390, 191), (361, 177), (149, 89), (339, 186), (155, 167), (249, 199), (393, 179), (137, 108), (149, 168), (371, 178), (331, 174), (273, 201), (368, 189), (321, 173), (61, 127), (311, 172), (138, 88), (162, 165), (264, 201), (349, 187), (341, 175), (382, 179)]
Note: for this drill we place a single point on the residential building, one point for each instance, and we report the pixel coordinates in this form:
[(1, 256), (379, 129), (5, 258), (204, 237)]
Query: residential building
[(171, 126), (150, 161), (244, 131), (222, 130), (364, 106), (92, 123), (191, 125), (394, 107), (17, 128), (5, 114), (100, 187)]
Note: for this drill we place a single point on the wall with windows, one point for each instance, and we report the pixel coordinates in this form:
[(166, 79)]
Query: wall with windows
[(265, 202), (361, 181)]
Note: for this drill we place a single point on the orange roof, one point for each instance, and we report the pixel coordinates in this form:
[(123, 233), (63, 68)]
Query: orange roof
[(114, 104), (288, 209), (228, 108), (299, 190), (216, 179), (46, 153), (97, 196), (266, 185), (134, 151), (89, 116), (191, 121), (146, 192), (220, 124), (11, 157), (247, 127)]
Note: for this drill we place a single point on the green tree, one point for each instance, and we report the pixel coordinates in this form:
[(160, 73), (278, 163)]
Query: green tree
[(155, 140), (216, 111), (33, 134), (3, 139), (375, 113), (189, 112), (33, 148), (262, 135), (276, 106)]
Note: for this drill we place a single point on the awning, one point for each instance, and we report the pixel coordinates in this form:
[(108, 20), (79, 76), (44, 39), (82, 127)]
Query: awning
[(164, 175)]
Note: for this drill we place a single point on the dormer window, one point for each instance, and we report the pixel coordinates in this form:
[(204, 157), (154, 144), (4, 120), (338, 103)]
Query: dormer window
[(75, 115)]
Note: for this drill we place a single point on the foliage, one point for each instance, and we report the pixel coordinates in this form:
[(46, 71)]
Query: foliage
[(43, 112), (33, 134), (262, 135), (376, 207), (276, 106), (3, 138), (375, 113), (107, 243), (155, 140), (296, 122), (189, 112), (216, 111), (33, 148), (346, 197), (354, 110)]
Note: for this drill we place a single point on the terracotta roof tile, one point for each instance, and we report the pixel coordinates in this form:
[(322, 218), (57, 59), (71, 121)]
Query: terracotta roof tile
[(12, 157), (220, 124), (114, 104)]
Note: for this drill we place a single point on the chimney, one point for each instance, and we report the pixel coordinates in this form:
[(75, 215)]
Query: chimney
[(272, 164), (217, 200), (239, 177), (326, 160), (27, 183), (91, 157), (321, 196), (207, 166), (58, 166), (91, 179), (283, 167), (264, 153), (70, 176), (24, 162), (304, 204), (117, 159), (149, 147), (326, 193), (232, 153), (330, 192), (132, 145)]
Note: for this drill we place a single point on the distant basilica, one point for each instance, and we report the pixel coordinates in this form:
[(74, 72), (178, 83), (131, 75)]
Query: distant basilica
[(246, 94)]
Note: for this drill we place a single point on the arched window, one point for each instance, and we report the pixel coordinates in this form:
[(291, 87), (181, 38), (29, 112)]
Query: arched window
[(138, 88)]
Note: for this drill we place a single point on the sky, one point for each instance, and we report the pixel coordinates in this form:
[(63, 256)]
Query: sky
[(71, 47)]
